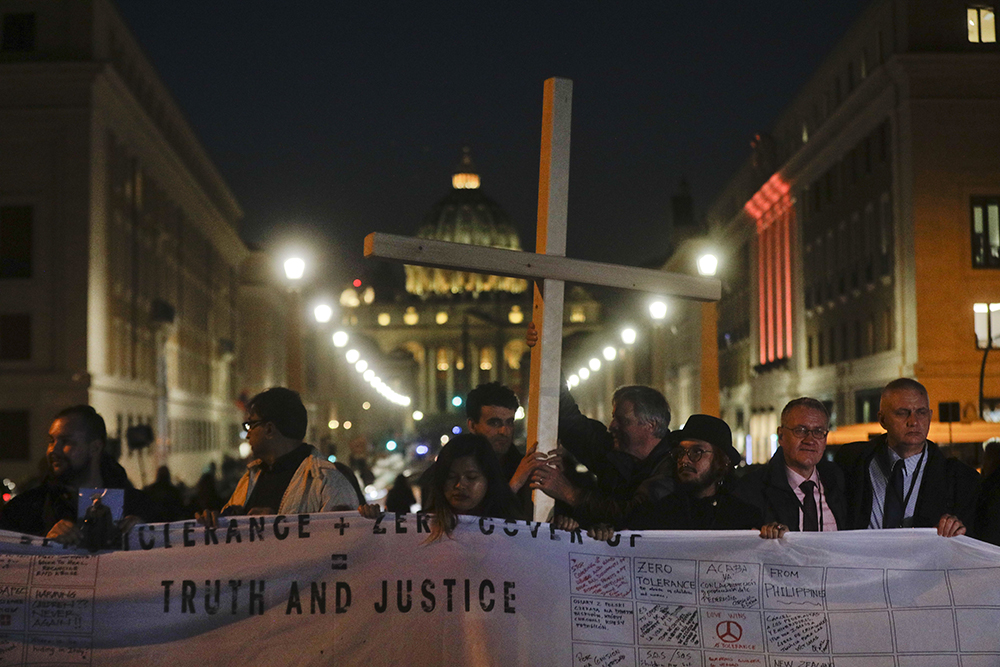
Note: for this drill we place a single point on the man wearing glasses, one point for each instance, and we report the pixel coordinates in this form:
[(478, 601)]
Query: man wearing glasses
[(287, 476), (703, 456), (798, 489)]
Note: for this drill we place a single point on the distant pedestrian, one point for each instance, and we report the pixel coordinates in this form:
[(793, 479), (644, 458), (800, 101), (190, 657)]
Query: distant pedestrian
[(400, 497)]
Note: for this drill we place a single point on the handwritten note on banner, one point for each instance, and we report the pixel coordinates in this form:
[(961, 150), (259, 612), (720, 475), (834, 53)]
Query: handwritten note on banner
[(339, 589)]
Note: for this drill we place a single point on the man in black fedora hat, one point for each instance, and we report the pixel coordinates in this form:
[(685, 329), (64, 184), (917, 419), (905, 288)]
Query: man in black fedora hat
[(704, 455)]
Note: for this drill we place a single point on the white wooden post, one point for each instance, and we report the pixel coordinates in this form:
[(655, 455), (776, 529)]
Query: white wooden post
[(550, 239)]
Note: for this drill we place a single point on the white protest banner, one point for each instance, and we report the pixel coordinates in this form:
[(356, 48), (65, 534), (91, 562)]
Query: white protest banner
[(339, 589)]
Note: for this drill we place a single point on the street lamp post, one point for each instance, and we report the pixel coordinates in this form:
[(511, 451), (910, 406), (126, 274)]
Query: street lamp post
[(294, 270), (708, 264)]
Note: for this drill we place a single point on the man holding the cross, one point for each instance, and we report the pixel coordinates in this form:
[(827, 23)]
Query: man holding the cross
[(901, 479), (630, 458)]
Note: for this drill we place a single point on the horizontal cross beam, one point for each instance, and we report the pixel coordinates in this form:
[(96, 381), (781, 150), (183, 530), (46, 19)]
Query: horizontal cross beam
[(532, 266)]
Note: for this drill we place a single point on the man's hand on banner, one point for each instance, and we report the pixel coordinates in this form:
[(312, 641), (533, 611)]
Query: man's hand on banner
[(563, 522), (370, 511), (602, 532), (773, 531), (950, 526)]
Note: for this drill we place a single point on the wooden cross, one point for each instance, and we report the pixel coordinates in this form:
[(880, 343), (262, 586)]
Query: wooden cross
[(548, 265)]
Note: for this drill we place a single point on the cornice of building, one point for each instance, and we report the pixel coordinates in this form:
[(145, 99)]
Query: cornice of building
[(115, 45)]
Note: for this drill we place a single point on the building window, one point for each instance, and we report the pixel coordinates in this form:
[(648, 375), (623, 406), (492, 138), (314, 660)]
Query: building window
[(442, 359), (986, 232), (15, 337), (15, 435), (982, 25), (15, 241), (885, 236), (486, 359), (18, 32)]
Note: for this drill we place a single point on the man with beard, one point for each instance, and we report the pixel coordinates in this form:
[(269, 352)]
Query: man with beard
[(703, 455), (76, 460)]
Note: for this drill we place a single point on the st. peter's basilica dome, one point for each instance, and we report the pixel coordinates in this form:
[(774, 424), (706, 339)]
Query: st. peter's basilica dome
[(465, 215)]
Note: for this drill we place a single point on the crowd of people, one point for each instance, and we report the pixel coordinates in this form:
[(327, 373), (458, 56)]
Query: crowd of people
[(634, 474)]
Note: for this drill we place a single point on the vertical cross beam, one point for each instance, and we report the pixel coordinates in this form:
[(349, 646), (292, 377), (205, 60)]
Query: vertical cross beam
[(550, 239)]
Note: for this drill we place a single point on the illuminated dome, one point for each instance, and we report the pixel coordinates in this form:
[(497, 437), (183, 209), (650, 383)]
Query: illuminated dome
[(466, 215)]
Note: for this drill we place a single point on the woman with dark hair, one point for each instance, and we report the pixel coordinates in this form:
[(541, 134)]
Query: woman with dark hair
[(465, 479)]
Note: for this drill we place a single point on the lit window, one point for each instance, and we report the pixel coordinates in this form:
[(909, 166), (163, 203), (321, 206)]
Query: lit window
[(384, 319), (486, 359), (411, 317), (987, 323), (577, 314), (349, 298), (986, 232), (442, 359), (982, 25)]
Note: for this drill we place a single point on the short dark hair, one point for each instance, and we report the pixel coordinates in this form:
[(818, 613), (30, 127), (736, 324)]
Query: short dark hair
[(648, 405), (93, 423), (805, 402), (283, 408), (489, 393)]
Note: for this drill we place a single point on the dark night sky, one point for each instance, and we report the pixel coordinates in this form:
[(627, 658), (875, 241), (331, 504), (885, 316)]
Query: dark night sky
[(331, 120)]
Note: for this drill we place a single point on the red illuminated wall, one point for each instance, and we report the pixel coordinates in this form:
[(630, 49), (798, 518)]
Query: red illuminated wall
[(772, 210)]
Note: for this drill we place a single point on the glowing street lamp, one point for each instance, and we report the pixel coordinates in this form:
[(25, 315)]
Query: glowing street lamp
[(610, 353), (323, 313), (628, 335), (340, 339), (658, 310), (295, 268), (708, 264)]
